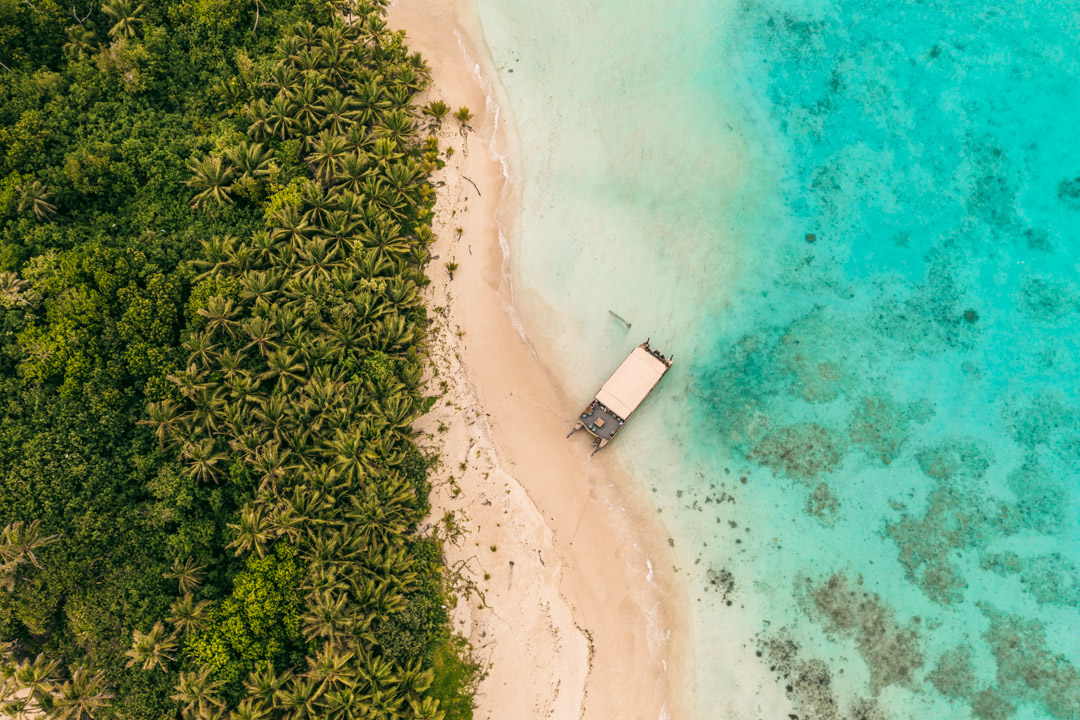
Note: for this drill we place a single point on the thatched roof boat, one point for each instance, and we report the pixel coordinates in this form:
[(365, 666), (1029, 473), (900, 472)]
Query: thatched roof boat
[(623, 392)]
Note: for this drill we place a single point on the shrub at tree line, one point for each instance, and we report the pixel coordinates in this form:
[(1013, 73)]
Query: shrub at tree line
[(214, 221)]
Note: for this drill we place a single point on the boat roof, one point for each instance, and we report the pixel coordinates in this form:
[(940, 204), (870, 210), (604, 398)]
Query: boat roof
[(632, 382)]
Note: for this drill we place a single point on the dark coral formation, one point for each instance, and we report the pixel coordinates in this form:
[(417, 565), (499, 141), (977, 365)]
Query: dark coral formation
[(1069, 193), (808, 681), (1052, 579), (953, 676), (881, 426), (990, 704), (1027, 670), (800, 452), (722, 581), (1037, 420), (952, 520), (811, 353), (1041, 500), (890, 650), (1048, 299), (822, 504), (953, 461)]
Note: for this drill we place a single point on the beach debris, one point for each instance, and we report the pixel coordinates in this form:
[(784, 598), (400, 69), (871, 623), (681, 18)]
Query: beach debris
[(511, 575), (619, 318), (811, 238), (479, 194), (541, 557)]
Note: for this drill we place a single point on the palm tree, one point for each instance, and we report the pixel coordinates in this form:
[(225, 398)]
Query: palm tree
[(19, 541), (370, 102), (318, 259), (299, 699), (330, 668), (252, 160), (262, 333), (197, 692), (288, 47), (35, 196), (252, 532), (352, 454), (79, 40), (279, 117), (400, 96), (318, 202), (203, 459), (328, 150), (337, 61), (346, 704), (259, 114), (426, 709), (437, 109), (385, 151), (186, 614), (201, 349), (338, 113), (249, 709), (264, 683), (357, 139), (338, 228), (220, 314), (259, 285), (168, 421), (353, 170), (399, 412), (327, 616), (283, 368), (82, 697), (381, 521), (34, 685), (290, 225), (14, 291), (372, 30), (396, 125), (189, 575), (213, 179), (125, 17), (309, 60), (150, 650), (306, 103)]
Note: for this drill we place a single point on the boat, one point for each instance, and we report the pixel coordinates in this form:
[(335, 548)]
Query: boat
[(621, 395)]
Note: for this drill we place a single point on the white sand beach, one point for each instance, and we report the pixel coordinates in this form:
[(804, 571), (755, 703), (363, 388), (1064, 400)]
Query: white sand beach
[(569, 596)]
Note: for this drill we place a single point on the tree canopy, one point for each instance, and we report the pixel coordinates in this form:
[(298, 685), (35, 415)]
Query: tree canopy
[(214, 221)]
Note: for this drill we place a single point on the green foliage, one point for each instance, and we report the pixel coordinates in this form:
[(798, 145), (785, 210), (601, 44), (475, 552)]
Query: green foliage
[(282, 197), (456, 674), (208, 412), (257, 622)]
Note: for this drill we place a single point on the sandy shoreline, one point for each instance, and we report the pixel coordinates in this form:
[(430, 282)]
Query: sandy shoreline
[(568, 590)]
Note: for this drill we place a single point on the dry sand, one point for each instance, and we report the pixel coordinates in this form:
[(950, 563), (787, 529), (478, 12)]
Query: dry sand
[(567, 589)]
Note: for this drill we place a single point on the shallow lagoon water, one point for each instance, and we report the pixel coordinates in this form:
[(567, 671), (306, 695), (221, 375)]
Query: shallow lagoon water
[(858, 228)]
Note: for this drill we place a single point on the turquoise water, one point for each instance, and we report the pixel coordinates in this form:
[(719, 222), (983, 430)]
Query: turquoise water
[(857, 225)]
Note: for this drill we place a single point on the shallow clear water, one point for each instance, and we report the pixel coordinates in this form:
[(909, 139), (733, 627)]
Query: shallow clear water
[(858, 228)]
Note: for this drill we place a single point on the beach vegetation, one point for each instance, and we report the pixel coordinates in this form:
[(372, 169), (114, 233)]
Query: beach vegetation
[(451, 268), (463, 115), (437, 109), (214, 231)]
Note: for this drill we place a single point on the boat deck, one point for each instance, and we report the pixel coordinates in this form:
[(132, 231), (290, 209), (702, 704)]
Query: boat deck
[(600, 421)]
